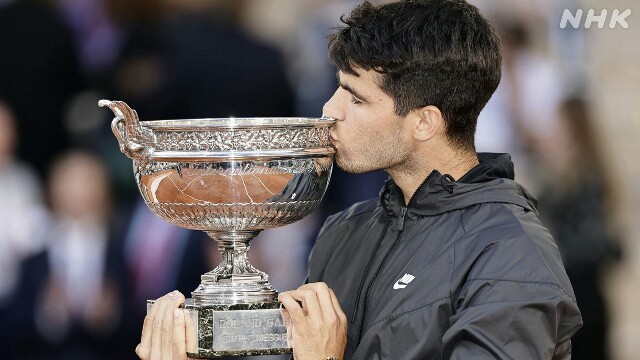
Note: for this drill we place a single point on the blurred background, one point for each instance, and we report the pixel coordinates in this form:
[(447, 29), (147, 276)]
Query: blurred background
[(80, 253)]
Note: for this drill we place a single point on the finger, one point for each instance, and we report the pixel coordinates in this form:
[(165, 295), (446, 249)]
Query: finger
[(192, 341), (163, 325), (139, 352), (167, 325), (143, 350), (323, 295), (292, 306), (286, 317), (156, 340), (311, 303), (166, 335), (179, 337)]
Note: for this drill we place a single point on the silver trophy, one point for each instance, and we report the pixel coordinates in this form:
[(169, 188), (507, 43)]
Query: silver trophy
[(232, 178)]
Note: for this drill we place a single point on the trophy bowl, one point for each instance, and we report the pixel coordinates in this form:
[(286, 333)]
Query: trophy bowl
[(232, 178)]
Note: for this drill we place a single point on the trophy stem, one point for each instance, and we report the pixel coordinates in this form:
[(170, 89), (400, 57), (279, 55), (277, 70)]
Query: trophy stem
[(234, 280)]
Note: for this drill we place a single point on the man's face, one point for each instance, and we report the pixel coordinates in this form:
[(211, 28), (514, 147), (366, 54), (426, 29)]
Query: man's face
[(368, 135)]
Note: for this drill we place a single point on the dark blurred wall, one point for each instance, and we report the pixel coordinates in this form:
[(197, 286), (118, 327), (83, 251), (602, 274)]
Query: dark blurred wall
[(38, 75)]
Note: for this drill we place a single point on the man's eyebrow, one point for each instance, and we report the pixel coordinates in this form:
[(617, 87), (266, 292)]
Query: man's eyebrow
[(353, 91), (350, 89)]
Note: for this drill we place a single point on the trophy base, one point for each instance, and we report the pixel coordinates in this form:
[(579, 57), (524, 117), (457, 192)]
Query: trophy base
[(237, 330)]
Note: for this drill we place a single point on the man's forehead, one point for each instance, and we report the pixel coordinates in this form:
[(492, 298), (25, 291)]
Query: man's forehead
[(367, 78), (340, 75)]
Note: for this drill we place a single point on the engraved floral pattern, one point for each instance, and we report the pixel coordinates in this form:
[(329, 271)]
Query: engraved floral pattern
[(253, 139)]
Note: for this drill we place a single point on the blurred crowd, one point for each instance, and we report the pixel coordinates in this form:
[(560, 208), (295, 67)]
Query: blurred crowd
[(79, 251)]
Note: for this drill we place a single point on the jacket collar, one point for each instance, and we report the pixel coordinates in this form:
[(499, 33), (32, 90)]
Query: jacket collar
[(490, 181)]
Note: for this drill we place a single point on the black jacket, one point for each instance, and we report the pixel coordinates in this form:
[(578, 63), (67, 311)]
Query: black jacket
[(465, 271)]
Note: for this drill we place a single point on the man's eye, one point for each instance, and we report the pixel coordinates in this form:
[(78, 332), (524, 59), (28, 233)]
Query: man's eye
[(355, 101)]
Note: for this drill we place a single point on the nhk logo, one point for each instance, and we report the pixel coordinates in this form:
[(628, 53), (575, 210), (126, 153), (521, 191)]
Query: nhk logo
[(617, 18)]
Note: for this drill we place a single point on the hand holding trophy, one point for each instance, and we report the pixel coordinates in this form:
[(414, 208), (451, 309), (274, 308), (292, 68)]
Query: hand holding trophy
[(232, 178)]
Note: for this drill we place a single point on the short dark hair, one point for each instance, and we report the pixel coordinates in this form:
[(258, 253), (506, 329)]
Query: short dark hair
[(428, 52)]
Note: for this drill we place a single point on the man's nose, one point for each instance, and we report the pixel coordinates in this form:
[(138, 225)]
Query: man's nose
[(333, 107)]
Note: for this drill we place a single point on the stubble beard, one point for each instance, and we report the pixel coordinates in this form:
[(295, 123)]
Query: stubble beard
[(378, 158), (353, 167)]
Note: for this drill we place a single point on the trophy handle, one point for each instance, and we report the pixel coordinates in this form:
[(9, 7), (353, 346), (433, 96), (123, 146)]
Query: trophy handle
[(135, 141)]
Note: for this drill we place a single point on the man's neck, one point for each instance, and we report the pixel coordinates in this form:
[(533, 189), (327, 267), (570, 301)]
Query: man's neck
[(412, 174)]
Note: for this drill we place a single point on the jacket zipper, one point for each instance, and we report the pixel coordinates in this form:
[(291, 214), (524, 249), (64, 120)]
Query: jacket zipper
[(403, 213), (366, 271), (375, 276)]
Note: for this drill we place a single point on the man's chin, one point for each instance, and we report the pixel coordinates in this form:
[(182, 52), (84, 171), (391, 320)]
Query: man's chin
[(352, 168)]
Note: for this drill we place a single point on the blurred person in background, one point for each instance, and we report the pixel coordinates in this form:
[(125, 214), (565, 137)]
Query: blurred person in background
[(38, 75), (577, 203), (22, 218), (523, 112), (97, 36), (71, 294), (192, 59)]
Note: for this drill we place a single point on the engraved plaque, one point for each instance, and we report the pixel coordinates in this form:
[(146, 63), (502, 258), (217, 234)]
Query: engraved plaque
[(256, 329)]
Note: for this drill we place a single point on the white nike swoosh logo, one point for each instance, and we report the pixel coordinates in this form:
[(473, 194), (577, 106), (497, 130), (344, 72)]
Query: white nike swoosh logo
[(399, 285), (403, 281)]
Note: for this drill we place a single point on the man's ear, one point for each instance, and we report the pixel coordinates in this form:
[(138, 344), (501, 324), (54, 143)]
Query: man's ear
[(430, 123)]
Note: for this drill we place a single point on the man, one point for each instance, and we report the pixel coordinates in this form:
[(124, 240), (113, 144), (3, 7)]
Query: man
[(451, 261)]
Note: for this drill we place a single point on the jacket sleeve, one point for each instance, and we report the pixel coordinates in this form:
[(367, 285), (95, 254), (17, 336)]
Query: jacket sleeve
[(510, 295), (504, 319)]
